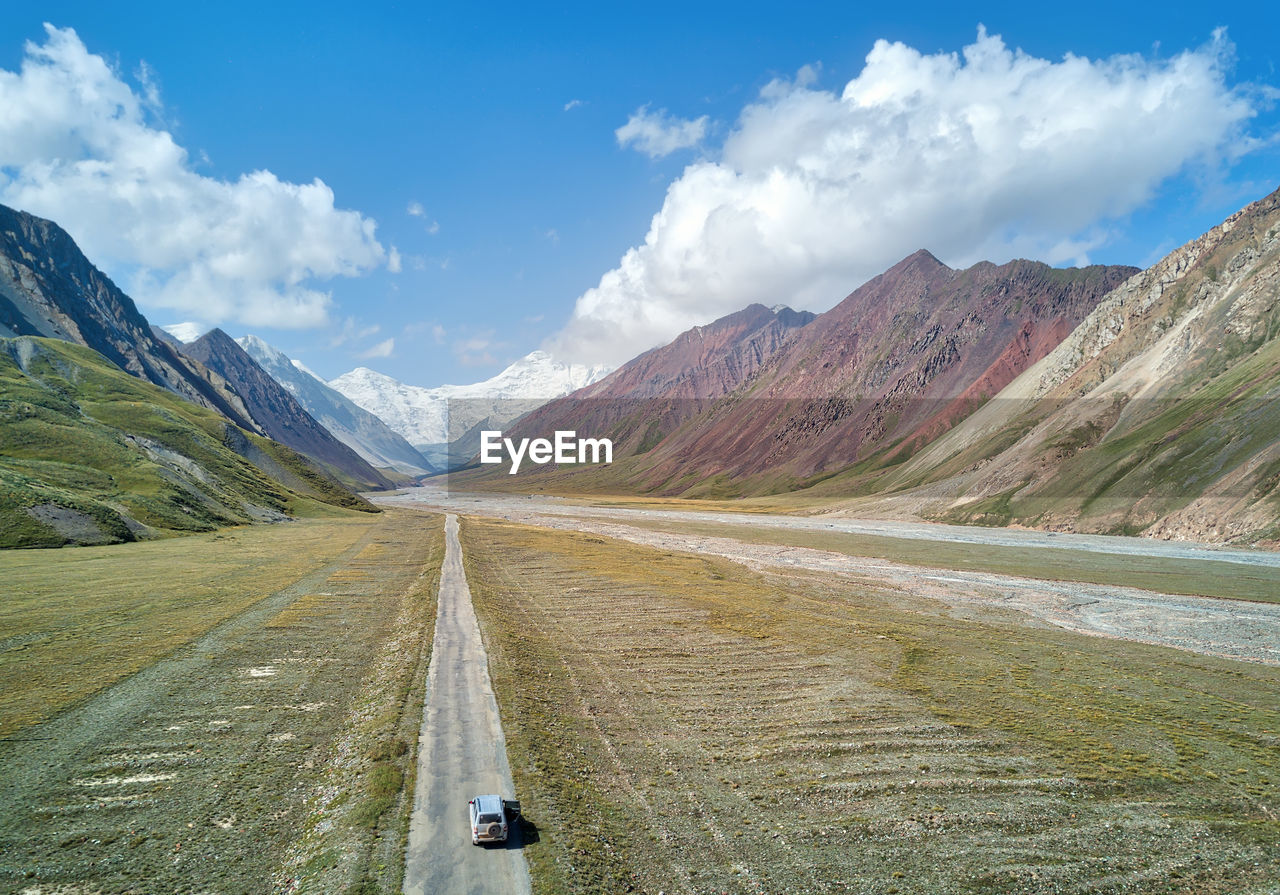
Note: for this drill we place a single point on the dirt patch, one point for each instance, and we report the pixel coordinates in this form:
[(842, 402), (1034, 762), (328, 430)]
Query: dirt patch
[(76, 527)]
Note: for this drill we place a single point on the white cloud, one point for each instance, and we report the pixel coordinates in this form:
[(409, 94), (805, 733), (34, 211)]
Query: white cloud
[(351, 331), (416, 209), (382, 349), (572, 104), (990, 153), (82, 147), (658, 134), (393, 260)]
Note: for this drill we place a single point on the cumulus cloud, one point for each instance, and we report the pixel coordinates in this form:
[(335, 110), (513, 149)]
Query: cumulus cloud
[(572, 104), (659, 133), (415, 210), (80, 145), (989, 153)]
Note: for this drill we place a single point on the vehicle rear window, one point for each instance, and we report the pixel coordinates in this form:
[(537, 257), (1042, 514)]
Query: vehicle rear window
[(489, 818)]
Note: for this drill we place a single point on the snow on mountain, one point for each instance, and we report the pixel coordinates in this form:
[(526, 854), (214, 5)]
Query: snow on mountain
[(434, 416), (354, 426), (184, 332)]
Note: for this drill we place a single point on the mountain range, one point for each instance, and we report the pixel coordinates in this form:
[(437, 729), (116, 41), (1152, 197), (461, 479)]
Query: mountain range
[(49, 288), (1104, 399), (351, 424), (431, 418), (112, 430), (766, 401)]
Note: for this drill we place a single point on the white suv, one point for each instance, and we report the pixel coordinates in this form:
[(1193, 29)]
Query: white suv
[(488, 819)]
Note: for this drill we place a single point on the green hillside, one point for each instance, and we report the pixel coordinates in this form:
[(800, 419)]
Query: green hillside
[(90, 454)]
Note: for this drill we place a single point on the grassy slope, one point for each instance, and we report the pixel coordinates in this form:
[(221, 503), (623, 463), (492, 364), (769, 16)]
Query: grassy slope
[(699, 727), (64, 427)]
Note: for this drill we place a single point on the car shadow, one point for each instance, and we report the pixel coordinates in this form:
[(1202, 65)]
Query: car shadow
[(521, 832)]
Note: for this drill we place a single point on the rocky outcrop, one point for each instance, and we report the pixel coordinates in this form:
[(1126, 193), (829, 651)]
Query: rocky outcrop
[(278, 412), (49, 288)]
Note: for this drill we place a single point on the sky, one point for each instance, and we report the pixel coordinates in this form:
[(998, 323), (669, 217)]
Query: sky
[(435, 191)]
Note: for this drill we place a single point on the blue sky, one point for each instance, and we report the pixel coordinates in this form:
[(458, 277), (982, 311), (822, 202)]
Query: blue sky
[(498, 125)]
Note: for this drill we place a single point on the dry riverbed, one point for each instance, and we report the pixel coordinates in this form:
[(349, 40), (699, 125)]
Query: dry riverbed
[(985, 568)]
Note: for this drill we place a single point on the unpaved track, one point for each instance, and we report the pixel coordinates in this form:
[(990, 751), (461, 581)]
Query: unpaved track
[(462, 754)]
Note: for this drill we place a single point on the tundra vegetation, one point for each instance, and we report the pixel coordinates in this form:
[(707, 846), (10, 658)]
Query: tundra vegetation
[(681, 723), (254, 693)]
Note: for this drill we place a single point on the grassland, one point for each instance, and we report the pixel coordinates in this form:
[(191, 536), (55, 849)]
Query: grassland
[(678, 723), (1207, 578), (77, 622), (90, 454), (265, 740)]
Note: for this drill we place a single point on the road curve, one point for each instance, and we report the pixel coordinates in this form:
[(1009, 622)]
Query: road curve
[(461, 754)]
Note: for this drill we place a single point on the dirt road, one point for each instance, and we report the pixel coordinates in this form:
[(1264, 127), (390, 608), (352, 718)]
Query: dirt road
[(462, 754)]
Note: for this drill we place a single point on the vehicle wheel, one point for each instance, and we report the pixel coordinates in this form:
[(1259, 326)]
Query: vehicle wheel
[(495, 830)]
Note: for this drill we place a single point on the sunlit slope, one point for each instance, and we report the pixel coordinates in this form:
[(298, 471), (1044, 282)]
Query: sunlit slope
[(90, 454), (1158, 414)]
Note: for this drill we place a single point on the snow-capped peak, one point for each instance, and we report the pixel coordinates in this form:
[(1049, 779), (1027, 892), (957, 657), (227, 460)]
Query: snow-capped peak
[(263, 352), (186, 332), (436, 415), (300, 366)]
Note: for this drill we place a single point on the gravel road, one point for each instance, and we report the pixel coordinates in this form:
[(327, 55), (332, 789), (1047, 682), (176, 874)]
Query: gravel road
[(1232, 629), (462, 754)]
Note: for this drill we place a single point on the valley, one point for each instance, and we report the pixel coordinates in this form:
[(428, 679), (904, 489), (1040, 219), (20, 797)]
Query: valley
[(691, 702), (855, 605)]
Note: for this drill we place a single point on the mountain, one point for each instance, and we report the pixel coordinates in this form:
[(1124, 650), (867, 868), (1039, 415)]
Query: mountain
[(888, 369), (49, 288), (354, 426), (1159, 414), (892, 366), (430, 418), (662, 388), (706, 361), (90, 454), (278, 413)]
